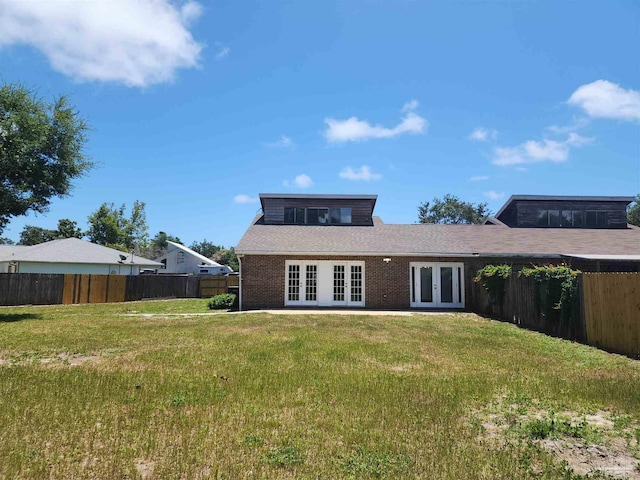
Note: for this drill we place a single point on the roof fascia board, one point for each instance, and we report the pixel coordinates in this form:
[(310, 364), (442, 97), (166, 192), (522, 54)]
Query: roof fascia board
[(404, 254)]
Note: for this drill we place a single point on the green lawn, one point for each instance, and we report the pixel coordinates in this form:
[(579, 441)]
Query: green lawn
[(99, 391)]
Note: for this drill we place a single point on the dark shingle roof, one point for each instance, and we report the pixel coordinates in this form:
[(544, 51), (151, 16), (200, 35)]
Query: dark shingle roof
[(430, 239)]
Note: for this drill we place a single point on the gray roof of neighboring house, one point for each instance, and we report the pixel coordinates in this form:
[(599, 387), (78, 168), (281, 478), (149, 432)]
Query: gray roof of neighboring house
[(202, 258), (70, 250), (434, 239)]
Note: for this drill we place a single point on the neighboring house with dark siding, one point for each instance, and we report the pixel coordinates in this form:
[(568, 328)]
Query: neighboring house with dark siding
[(331, 251)]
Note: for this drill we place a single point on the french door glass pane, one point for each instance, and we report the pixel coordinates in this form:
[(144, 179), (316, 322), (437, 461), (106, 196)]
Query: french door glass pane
[(446, 284), (338, 283), (294, 283), (312, 283), (426, 284), (356, 283)]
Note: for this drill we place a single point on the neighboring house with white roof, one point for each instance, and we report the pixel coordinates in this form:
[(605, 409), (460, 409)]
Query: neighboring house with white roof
[(179, 259), (331, 251), (71, 255)]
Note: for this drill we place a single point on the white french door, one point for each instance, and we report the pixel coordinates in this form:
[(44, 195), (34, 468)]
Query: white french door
[(437, 285), (324, 283)]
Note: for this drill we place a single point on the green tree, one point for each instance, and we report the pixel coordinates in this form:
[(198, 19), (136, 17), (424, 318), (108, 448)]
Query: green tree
[(227, 256), (158, 244), (109, 226), (633, 212), (450, 209), (41, 151), (31, 235), (5, 241), (205, 248), (68, 229)]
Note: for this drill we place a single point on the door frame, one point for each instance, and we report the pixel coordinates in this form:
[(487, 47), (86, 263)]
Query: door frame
[(324, 283), (457, 285)]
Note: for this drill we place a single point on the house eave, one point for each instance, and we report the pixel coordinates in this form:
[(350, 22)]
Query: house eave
[(401, 254)]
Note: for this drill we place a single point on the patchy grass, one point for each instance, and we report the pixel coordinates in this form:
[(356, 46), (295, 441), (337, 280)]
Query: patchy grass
[(135, 390)]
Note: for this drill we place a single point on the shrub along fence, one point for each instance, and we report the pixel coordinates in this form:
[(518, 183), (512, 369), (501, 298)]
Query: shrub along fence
[(52, 289), (600, 309)]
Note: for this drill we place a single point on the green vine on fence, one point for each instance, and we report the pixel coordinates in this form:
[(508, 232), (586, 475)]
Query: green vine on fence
[(493, 279), (556, 289)]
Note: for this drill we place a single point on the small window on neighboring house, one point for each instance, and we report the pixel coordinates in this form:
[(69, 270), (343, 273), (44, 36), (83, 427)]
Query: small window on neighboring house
[(554, 218), (180, 257), (164, 263)]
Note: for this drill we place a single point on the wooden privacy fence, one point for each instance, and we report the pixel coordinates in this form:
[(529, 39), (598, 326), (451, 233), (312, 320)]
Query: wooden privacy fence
[(609, 305), (210, 286), (31, 289), (612, 311), (52, 289), (520, 306)]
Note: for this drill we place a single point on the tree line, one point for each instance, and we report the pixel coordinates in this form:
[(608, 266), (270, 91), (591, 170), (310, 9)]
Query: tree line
[(112, 227)]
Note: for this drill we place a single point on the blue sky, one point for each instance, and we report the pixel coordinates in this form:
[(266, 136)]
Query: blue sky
[(196, 108)]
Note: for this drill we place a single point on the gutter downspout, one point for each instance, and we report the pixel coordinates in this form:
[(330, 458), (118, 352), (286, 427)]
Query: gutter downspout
[(240, 283)]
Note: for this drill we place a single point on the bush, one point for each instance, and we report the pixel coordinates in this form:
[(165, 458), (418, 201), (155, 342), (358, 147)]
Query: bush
[(493, 279), (220, 302), (556, 289)]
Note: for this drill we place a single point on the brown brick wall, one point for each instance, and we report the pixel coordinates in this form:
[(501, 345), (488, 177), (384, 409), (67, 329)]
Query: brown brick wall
[(387, 285)]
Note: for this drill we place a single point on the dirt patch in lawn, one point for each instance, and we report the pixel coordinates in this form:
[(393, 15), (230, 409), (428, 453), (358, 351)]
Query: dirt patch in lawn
[(48, 360), (595, 443)]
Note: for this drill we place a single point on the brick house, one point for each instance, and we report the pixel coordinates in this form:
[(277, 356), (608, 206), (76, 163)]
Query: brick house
[(331, 251)]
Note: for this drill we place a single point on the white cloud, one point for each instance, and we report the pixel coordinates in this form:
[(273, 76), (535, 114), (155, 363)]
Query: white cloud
[(362, 173), (481, 134), (603, 99), (223, 51), (576, 125), (303, 181), (242, 198), (492, 195), (191, 11), (534, 151), (352, 129), (410, 106), (282, 142), (478, 178), (134, 42)]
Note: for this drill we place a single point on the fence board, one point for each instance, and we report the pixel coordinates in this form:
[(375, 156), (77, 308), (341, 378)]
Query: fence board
[(98, 288), (612, 311), (117, 285), (218, 285)]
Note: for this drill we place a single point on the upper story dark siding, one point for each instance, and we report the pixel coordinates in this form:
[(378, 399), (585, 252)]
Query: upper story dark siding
[(526, 212), (361, 206)]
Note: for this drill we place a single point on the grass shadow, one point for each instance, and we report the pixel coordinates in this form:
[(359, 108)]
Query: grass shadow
[(18, 317)]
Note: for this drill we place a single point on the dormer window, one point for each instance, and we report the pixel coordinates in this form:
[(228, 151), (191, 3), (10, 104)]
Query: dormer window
[(317, 216), (294, 216), (341, 215)]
